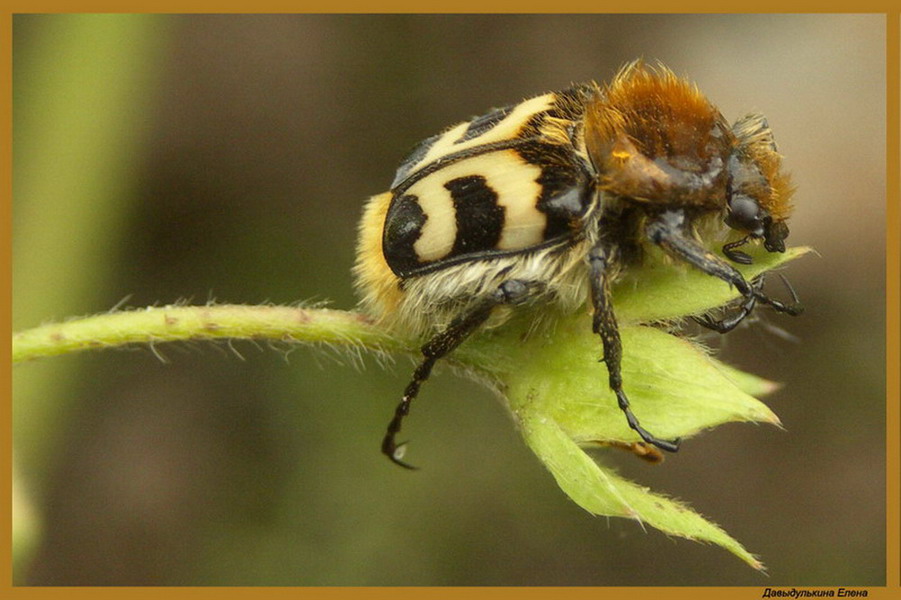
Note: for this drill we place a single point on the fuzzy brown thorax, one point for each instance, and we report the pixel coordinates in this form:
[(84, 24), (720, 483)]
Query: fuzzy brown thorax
[(654, 138)]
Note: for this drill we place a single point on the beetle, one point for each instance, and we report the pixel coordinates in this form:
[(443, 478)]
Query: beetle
[(550, 200)]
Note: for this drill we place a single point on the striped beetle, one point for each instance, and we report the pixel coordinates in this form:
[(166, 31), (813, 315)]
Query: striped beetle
[(550, 199)]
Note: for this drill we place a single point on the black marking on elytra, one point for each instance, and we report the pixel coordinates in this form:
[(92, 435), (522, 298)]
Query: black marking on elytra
[(485, 123), (567, 186), (416, 154), (568, 104), (403, 226), (449, 159), (480, 220)]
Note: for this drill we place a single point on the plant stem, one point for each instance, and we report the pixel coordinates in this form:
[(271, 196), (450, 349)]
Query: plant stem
[(153, 325)]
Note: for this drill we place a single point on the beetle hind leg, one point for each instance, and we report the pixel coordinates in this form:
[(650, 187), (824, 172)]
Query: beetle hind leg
[(513, 291)]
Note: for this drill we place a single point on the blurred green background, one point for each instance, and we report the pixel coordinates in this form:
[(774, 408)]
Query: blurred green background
[(166, 158)]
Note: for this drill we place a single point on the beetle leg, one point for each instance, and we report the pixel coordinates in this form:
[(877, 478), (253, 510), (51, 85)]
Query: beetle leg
[(604, 324), (727, 324), (737, 255), (513, 291), (667, 231)]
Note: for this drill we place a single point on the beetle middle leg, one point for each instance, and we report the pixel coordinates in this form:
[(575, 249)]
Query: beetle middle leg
[(604, 324), (513, 291)]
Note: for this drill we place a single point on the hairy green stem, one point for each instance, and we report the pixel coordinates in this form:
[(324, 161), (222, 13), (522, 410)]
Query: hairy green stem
[(153, 325)]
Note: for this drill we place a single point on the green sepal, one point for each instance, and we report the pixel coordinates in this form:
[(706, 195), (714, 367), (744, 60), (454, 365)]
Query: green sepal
[(554, 383), (599, 490), (675, 389)]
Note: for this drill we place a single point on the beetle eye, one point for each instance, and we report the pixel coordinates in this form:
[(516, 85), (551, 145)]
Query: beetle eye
[(744, 213)]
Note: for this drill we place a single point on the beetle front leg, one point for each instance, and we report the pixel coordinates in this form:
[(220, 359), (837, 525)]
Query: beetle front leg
[(727, 324), (667, 231)]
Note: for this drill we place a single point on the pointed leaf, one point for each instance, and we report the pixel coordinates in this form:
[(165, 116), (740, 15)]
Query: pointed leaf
[(602, 492), (675, 389)]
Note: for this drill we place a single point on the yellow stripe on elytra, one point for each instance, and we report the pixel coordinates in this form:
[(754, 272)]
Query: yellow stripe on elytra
[(518, 191), (439, 231), (506, 129), (515, 182)]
